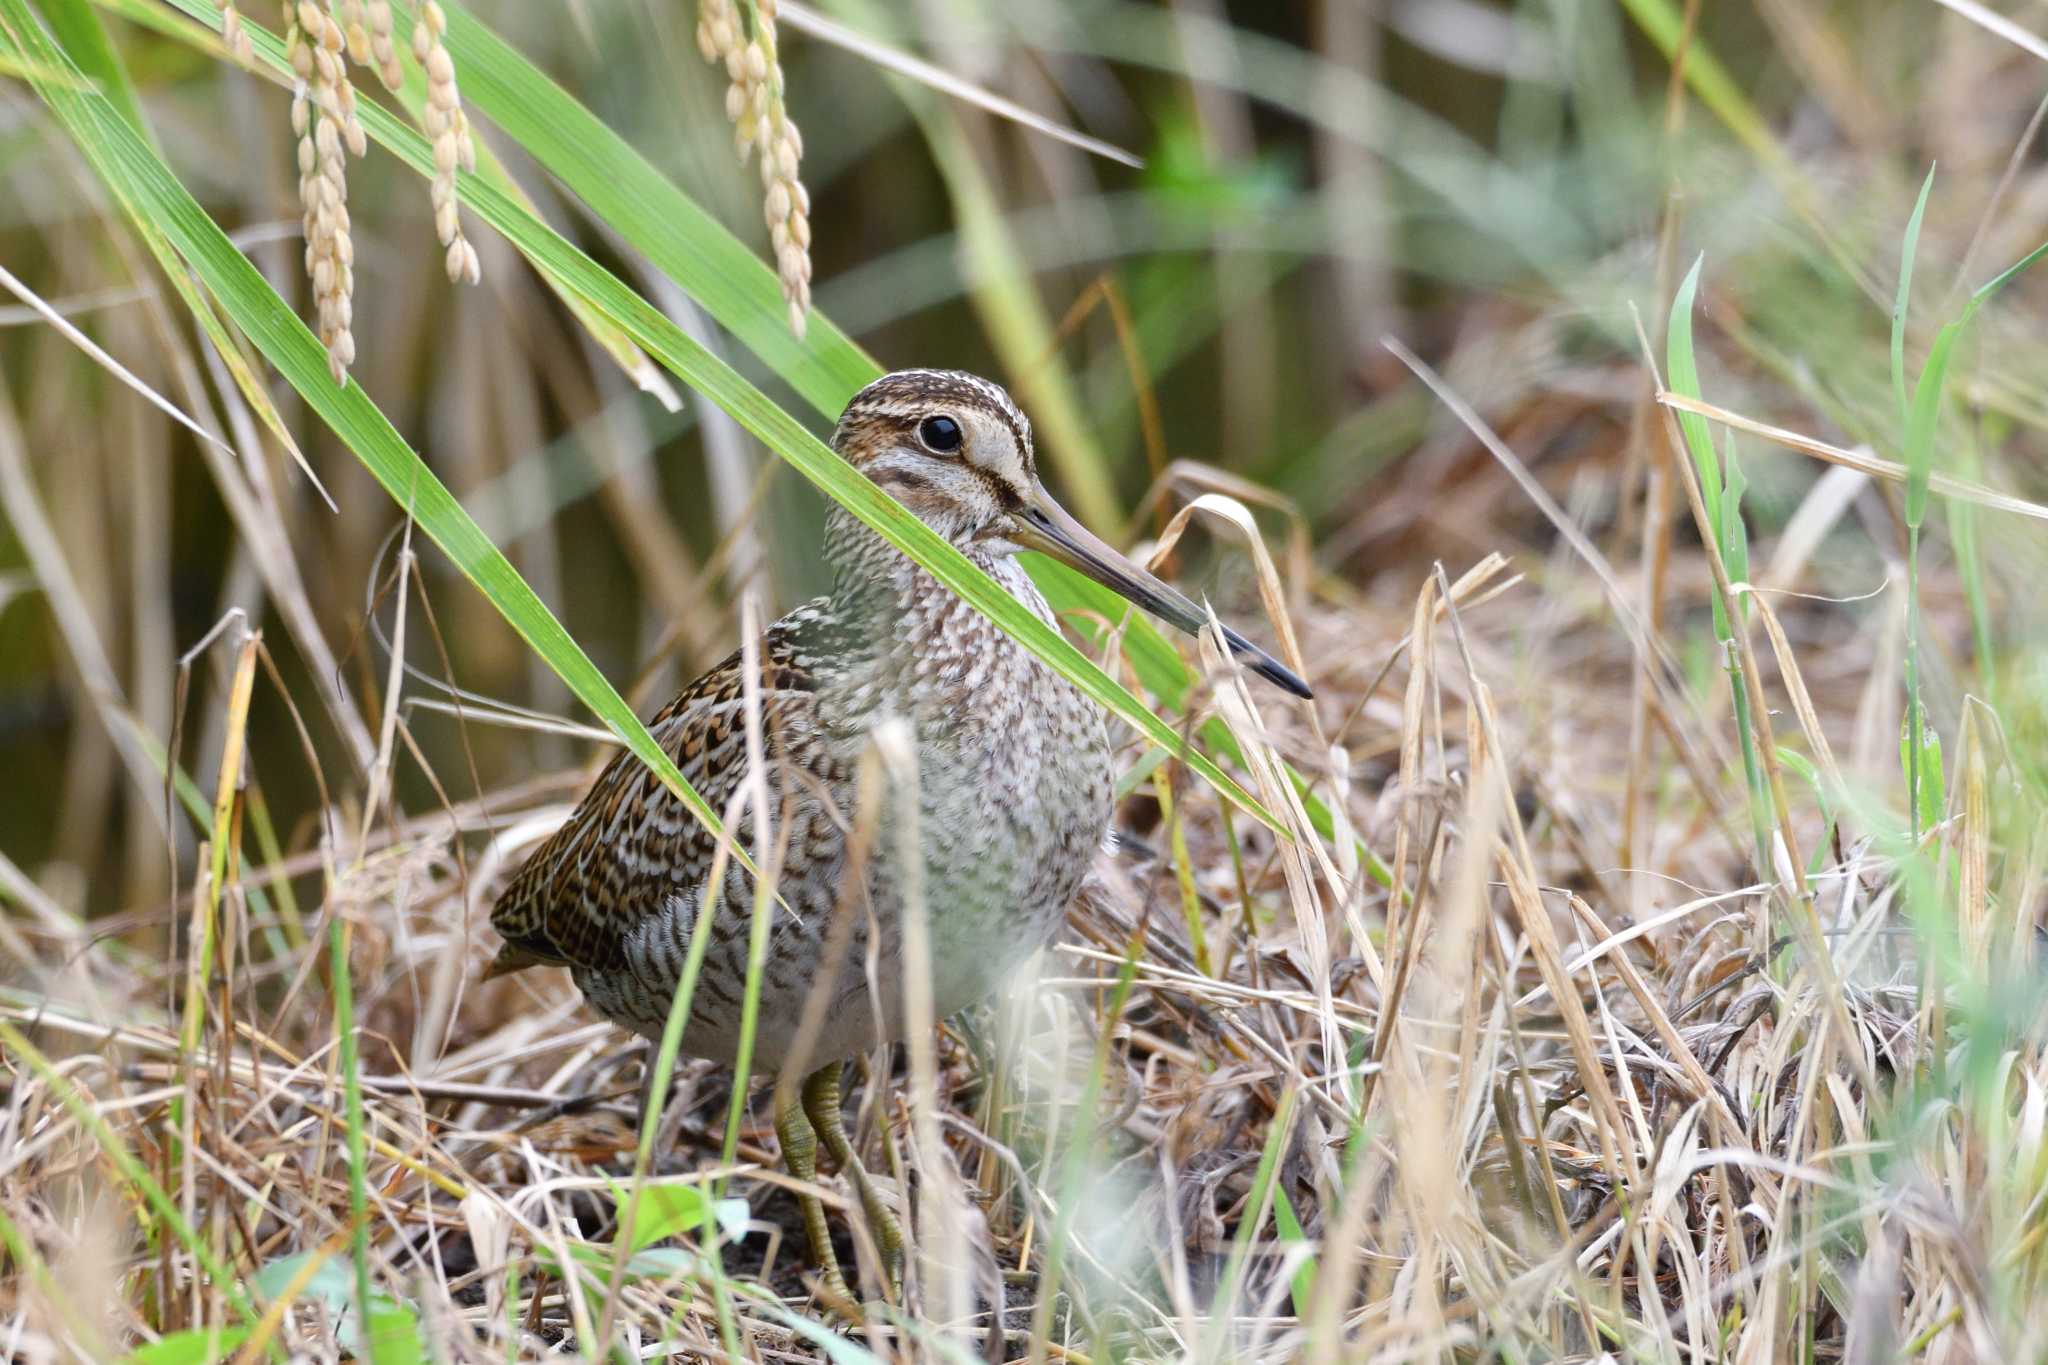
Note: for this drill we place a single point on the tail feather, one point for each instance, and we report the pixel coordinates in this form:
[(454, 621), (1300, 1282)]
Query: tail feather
[(520, 917)]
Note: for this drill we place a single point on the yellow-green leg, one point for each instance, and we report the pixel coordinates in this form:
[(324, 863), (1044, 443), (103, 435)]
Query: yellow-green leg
[(800, 1154), (821, 1105)]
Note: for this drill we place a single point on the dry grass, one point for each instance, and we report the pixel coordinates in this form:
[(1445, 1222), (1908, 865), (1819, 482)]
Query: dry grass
[(1548, 1031), (1590, 1122)]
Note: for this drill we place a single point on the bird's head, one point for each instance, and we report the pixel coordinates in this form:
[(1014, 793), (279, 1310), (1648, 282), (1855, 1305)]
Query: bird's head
[(956, 450)]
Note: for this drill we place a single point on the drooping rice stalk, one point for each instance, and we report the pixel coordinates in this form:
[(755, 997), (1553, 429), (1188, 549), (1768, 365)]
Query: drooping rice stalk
[(741, 35)]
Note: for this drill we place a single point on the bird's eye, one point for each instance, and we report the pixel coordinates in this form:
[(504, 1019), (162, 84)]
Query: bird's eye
[(941, 434)]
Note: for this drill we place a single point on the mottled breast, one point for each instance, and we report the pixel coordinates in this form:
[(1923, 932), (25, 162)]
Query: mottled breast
[(1015, 769)]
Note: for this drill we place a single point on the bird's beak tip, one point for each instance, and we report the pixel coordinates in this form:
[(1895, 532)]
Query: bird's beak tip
[(1289, 681), (1267, 667), (1043, 525)]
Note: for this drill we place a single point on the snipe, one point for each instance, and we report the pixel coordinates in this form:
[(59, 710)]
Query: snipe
[(1014, 780)]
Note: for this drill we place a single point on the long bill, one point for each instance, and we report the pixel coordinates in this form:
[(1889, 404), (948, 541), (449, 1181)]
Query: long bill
[(1045, 526)]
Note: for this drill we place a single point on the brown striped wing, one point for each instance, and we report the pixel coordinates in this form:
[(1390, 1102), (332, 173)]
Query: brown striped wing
[(631, 846)]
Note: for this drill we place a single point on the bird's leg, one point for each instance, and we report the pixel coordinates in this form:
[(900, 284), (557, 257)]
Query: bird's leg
[(821, 1103), (800, 1154)]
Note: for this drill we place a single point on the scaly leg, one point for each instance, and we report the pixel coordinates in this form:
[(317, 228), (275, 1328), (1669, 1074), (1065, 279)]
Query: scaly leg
[(800, 1154), (821, 1104)]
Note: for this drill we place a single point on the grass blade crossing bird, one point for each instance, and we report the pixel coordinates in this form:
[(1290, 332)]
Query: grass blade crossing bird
[(1013, 769)]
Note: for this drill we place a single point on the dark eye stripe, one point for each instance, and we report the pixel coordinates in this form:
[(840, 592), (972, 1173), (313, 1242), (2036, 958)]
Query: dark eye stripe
[(905, 479)]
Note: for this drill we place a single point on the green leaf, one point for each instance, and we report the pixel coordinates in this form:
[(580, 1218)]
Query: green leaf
[(658, 1263), (394, 1337), (193, 1346), (81, 34), (1803, 766), (329, 1283), (1932, 793), (734, 287), (1906, 254), (1683, 374), (1925, 412), (2005, 276), (394, 1326), (654, 1263), (1303, 1287), (1187, 178), (666, 1210), (1734, 534), (1927, 394), (1969, 554)]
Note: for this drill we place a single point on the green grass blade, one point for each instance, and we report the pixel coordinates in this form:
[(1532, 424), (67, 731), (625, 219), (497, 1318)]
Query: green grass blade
[(716, 269), (1924, 414), (352, 1092), (1963, 538), (152, 195), (1927, 394), (1682, 372), (1303, 1285), (1265, 1186), (193, 1346), (1921, 763), (1708, 79), (1906, 254), (2005, 276), (719, 272), (1016, 323), (1734, 535), (79, 31)]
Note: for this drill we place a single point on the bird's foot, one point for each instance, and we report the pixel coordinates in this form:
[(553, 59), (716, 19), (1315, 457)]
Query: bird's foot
[(883, 1224), (821, 1106)]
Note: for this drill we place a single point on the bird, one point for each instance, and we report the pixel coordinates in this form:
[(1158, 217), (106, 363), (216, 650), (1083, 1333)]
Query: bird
[(1014, 785)]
